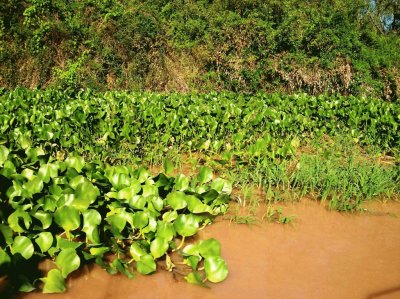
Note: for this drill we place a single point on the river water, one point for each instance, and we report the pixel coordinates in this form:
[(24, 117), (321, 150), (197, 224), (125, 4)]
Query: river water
[(324, 254)]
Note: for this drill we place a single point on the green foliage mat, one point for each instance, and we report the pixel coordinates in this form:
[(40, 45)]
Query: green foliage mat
[(127, 125), (74, 212)]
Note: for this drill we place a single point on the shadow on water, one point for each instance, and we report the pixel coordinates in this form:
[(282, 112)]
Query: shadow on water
[(391, 291)]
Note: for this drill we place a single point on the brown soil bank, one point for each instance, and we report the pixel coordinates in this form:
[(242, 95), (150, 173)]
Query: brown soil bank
[(324, 254)]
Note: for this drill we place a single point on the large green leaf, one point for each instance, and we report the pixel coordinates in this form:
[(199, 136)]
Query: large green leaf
[(181, 183), (216, 269), (146, 264), (33, 186), (85, 194), (136, 251), (186, 225), (44, 240), (168, 166), (129, 192), (75, 162), (149, 190), (91, 220), (140, 219), (48, 171), (196, 206), (68, 218), (76, 181), (165, 230), (158, 247), (120, 181), (170, 216), (176, 200), (23, 246), (209, 247), (205, 175), (67, 261), (138, 202), (54, 282), (221, 185), (117, 223)]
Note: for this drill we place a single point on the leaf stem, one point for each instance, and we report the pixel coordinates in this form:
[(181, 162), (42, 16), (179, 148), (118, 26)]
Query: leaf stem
[(181, 243)]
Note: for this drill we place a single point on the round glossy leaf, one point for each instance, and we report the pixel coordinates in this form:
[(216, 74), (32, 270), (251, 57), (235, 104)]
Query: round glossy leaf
[(76, 181), (91, 220), (75, 162), (165, 230), (149, 190), (210, 247), (157, 202), (137, 202), (33, 186), (54, 282), (168, 166), (186, 225), (205, 175), (176, 200), (196, 206), (146, 264), (181, 183), (23, 246), (216, 269), (68, 261), (117, 223), (221, 185), (129, 192), (170, 216), (99, 251), (191, 249), (45, 241), (151, 227), (65, 243), (120, 181), (158, 247), (68, 218), (140, 219), (48, 171), (136, 251), (85, 194)]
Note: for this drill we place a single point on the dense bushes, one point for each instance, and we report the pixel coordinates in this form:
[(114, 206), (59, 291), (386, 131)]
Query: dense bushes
[(291, 45)]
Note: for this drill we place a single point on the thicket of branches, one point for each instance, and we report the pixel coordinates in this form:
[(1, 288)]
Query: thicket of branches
[(349, 47)]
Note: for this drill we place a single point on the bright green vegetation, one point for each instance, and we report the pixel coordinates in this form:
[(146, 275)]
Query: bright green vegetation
[(146, 125), (73, 187), (349, 47), (76, 212)]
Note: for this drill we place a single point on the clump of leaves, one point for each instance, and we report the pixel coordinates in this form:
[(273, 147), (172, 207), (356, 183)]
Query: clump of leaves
[(74, 212)]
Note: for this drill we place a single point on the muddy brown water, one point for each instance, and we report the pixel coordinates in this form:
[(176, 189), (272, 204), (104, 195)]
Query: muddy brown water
[(324, 254)]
